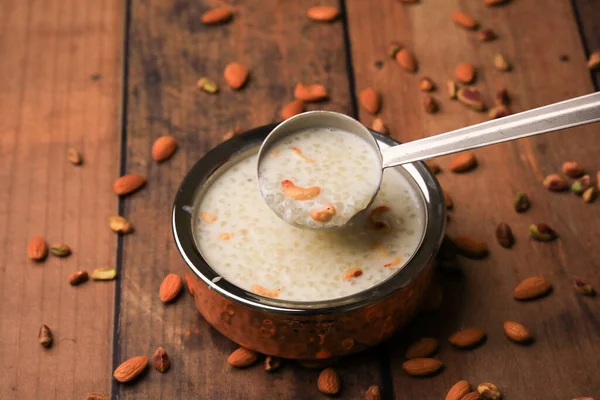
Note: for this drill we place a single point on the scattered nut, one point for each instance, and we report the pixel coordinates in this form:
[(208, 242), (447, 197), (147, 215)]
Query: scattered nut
[(373, 393), (207, 85), (424, 347), (128, 184), (463, 162), (467, 338), (470, 246), (298, 193), (160, 359), (487, 390), (292, 108), (581, 185), (406, 60), (532, 288), (572, 169), (130, 368), (555, 183), (463, 19), (594, 60), (393, 49), (502, 97), (163, 148), (499, 112), (309, 92), (589, 195), (60, 250), (471, 97), (583, 287), (74, 156), (500, 63), (37, 249), (452, 89), (242, 357), (522, 202), (471, 396), (329, 381), (120, 224), (104, 274), (272, 363), (323, 13), (236, 75), (486, 35), (216, 16), (542, 232), (429, 104), (422, 366), (458, 390), (426, 84), (170, 288), (379, 126), (45, 336), (465, 72), (323, 214), (78, 277), (505, 236), (494, 3), (370, 100), (516, 332)]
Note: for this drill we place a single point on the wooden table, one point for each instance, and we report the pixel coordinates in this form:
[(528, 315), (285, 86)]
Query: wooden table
[(108, 77)]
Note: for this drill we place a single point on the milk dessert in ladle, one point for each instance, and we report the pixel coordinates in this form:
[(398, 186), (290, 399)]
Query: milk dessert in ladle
[(320, 169)]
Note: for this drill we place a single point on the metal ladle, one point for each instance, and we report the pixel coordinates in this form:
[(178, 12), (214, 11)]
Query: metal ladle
[(565, 114)]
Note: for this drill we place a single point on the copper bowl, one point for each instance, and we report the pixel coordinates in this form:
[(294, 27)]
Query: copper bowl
[(304, 330)]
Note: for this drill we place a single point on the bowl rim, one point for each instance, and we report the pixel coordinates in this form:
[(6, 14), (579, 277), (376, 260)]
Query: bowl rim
[(182, 219)]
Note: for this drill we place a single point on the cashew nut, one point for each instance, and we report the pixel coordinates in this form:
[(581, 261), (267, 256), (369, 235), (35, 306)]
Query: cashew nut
[(323, 214), (225, 236), (395, 261), (265, 292), (209, 218), (299, 152), (298, 193), (352, 273)]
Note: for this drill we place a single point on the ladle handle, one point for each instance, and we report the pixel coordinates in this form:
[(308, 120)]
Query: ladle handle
[(578, 111)]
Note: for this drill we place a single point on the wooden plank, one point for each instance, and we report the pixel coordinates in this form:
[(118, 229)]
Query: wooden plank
[(169, 51), (533, 35), (587, 13), (60, 75)]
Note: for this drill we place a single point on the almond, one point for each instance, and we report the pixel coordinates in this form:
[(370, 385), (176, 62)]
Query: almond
[(516, 332), (458, 391), (242, 357), (310, 92), (74, 156), (37, 249), (470, 246), (370, 100), (130, 368), (465, 72), (329, 381), (426, 84), (554, 183), (422, 366), (463, 162), (323, 13), (161, 361), (78, 277), (406, 60), (494, 2), (128, 184), (188, 282), (572, 169), (373, 393), (235, 75), (292, 108), (594, 60), (463, 19), (379, 126), (468, 337), (531, 288), (216, 16), (471, 396), (163, 148), (424, 347), (170, 288)]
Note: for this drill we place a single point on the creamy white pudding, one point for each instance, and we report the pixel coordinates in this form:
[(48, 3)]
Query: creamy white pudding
[(319, 177), (241, 238)]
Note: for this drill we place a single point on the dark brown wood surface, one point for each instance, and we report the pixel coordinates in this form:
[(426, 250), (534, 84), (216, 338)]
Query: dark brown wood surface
[(61, 85)]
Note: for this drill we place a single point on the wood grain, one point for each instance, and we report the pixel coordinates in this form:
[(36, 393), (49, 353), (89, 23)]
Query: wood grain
[(169, 51), (60, 86), (566, 326)]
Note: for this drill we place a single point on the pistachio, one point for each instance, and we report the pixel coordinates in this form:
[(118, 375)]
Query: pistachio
[(499, 112), (505, 236), (489, 391), (542, 232), (104, 274), (555, 183), (60, 250), (583, 287), (502, 97), (471, 97), (452, 89), (74, 156), (272, 363), (486, 35), (161, 361), (426, 84), (45, 336), (119, 224), (500, 63), (581, 185), (207, 85), (572, 169), (522, 203), (429, 104), (589, 195)]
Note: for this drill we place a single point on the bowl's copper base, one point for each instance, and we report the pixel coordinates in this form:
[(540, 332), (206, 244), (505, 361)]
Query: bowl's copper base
[(315, 337)]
